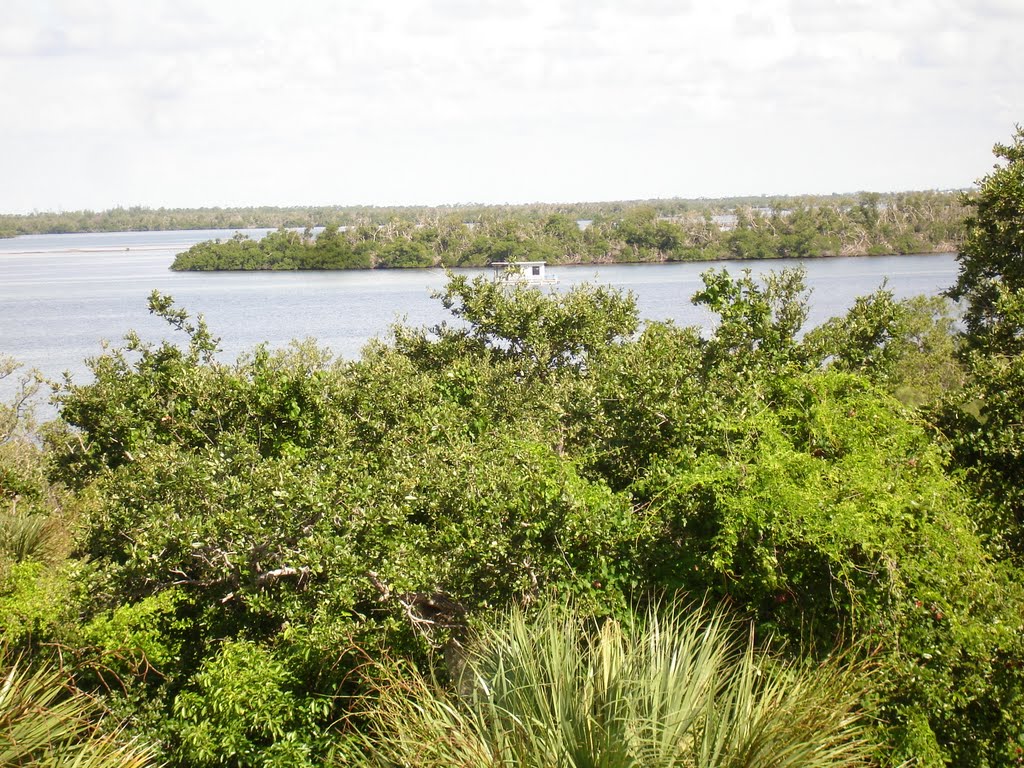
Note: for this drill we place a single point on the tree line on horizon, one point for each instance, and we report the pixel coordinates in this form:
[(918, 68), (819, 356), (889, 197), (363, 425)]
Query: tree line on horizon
[(871, 225), (142, 218), (542, 533)]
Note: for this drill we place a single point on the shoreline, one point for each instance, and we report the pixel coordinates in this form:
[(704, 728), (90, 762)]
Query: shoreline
[(43, 251), (592, 264)]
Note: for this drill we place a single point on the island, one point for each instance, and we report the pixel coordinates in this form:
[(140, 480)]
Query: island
[(864, 225)]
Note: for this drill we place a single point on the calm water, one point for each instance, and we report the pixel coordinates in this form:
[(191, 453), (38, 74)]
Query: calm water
[(60, 295)]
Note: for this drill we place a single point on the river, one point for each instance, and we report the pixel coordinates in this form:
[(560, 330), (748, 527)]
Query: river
[(62, 295)]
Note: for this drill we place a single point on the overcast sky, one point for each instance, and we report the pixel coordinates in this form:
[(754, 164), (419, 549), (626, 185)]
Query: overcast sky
[(183, 103)]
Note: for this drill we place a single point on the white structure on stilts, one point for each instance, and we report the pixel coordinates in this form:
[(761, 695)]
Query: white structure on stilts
[(529, 272)]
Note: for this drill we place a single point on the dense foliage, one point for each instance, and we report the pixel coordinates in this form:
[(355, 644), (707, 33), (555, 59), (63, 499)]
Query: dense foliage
[(992, 256), (795, 228), (141, 219), (987, 429), (259, 528), (259, 563)]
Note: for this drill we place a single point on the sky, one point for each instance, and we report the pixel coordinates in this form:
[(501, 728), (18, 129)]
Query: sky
[(184, 103)]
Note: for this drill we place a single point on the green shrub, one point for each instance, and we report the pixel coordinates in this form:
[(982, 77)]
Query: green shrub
[(245, 708)]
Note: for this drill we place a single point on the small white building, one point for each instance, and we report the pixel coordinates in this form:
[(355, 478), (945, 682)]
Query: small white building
[(530, 272)]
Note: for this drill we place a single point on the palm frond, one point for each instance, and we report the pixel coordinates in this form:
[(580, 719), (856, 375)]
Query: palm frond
[(26, 535), (45, 722), (678, 691)]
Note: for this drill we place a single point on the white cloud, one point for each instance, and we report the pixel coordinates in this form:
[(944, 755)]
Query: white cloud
[(192, 103)]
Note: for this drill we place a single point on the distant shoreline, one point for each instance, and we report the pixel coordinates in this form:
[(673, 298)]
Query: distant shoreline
[(591, 264), (145, 219), (108, 249)]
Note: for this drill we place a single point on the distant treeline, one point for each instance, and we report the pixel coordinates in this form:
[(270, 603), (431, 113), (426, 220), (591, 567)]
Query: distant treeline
[(868, 224), (142, 219)]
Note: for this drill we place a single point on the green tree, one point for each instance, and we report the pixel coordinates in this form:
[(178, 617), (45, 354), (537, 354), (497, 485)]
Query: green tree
[(539, 333), (907, 347), (403, 253), (291, 509), (818, 504), (21, 476), (991, 278), (987, 423), (250, 525)]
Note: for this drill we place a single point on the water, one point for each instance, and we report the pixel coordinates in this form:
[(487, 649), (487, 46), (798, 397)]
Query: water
[(62, 295)]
